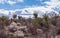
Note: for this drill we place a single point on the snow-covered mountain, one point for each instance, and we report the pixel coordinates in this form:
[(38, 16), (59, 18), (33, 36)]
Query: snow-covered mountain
[(28, 13), (52, 13)]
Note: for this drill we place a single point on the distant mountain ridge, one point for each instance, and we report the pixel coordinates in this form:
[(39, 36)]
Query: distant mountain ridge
[(27, 14)]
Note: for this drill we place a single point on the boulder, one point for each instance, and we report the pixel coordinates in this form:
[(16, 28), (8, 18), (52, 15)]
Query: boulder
[(19, 34)]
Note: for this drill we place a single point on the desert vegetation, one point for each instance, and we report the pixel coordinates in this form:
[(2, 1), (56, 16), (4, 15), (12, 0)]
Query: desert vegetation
[(45, 27)]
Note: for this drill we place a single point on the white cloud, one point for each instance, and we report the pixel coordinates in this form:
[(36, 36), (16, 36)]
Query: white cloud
[(2, 1), (20, 0), (53, 3), (10, 1)]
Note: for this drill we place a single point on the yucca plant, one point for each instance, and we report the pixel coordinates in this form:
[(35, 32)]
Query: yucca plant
[(14, 18), (46, 24), (35, 15), (46, 18)]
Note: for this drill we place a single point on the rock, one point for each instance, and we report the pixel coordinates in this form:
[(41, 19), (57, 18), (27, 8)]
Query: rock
[(40, 30), (12, 29), (13, 24), (19, 33)]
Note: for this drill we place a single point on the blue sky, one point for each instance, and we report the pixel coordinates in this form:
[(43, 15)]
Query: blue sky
[(40, 6), (23, 4)]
